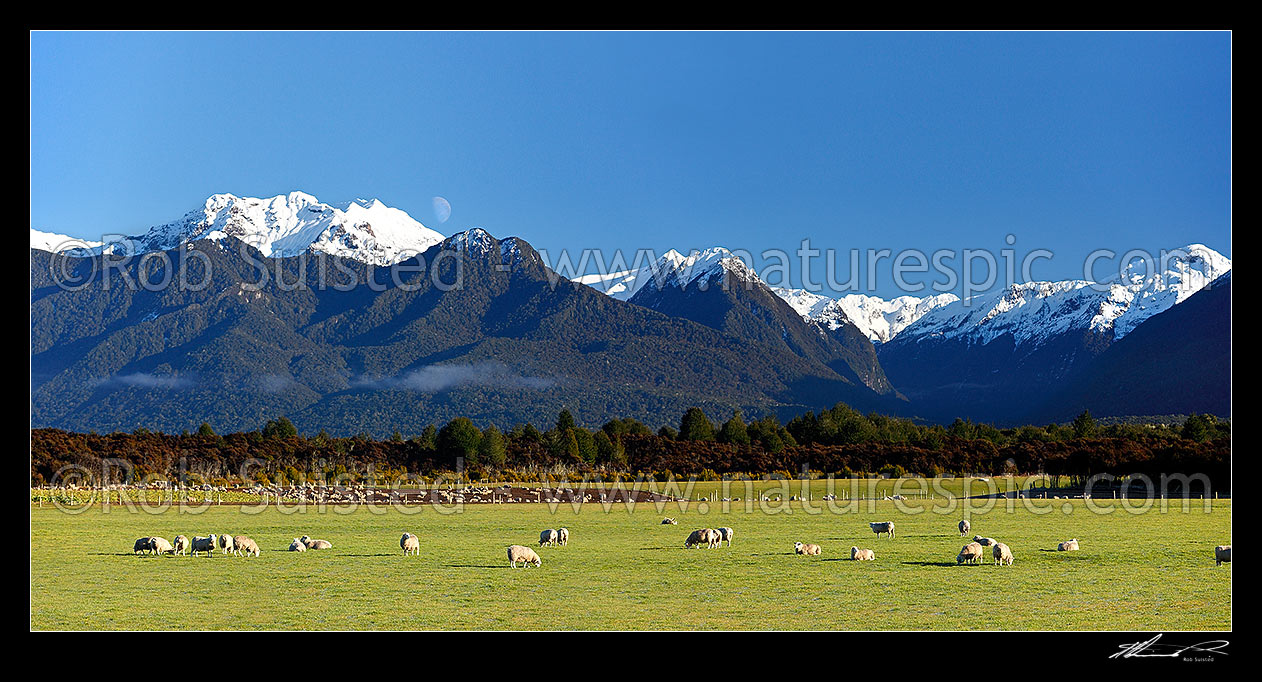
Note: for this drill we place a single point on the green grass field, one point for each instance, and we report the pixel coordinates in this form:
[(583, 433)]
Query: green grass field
[(623, 570)]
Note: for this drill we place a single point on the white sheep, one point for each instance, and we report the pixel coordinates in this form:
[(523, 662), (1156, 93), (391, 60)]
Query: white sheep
[(525, 555), (297, 546), (806, 548), (971, 553), (879, 527), (965, 526), (1068, 546), (203, 544), (1002, 554), (1222, 553), (548, 537), (563, 536), (161, 546), (984, 542), (725, 535), (225, 543), (410, 544), (857, 554), (181, 545), (244, 546), (315, 544)]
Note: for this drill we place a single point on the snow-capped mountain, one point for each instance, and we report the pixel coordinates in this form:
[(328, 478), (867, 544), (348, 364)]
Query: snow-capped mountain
[(290, 224), (1002, 354), (58, 243), (1035, 311), (624, 284), (879, 319)]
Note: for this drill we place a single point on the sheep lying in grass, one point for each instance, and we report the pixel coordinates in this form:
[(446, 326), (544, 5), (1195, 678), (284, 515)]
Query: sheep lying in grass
[(1002, 554), (857, 554), (297, 546), (984, 542), (1222, 553), (725, 535), (143, 545), (225, 543), (525, 555), (669, 522), (244, 546), (965, 526), (410, 544), (1068, 546), (549, 537), (806, 548), (315, 544), (563, 536), (971, 553), (203, 544), (879, 527), (181, 545)]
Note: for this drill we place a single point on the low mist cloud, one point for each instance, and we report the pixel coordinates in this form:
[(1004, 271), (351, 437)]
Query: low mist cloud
[(434, 378)]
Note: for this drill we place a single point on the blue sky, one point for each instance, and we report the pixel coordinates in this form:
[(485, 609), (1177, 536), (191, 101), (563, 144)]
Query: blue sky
[(1070, 142)]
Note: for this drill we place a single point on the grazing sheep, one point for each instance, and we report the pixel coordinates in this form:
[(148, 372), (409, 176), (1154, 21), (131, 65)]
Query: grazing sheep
[(725, 534), (297, 546), (181, 545), (972, 553), (525, 555), (225, 543), (160, 545), (1222, 553), (702, 536), (857, 554), (1068, 546), (806, 548), (244, 546), (315, 544), (410, 544), (563, 536), (669, 522), (965, 526), (548, 537), (879, 527), (203, 544), (143, 545), (1002, 554)]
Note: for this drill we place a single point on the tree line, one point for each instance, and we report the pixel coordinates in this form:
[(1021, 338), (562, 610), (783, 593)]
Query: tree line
[(838, 441)]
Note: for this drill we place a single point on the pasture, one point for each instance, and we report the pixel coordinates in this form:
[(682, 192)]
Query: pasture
[(624, 570)]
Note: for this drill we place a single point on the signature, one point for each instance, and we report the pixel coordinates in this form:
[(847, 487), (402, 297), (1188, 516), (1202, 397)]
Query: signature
[(1151, 649)]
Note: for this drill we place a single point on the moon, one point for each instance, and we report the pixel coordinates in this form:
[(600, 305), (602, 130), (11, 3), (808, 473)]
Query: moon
[(442, 209)]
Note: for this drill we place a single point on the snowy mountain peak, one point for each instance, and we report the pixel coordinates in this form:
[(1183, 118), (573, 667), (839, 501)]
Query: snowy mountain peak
[(474, 241), (879, 319), (290, 224), (1034, 311), (672, 268)]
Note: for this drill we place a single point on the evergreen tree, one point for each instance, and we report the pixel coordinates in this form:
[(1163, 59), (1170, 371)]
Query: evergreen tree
[(1084, 425), (491, 449), (205, 430), (1196, 428), (695, 425), (565, 421), (459, 438), (734, 430)]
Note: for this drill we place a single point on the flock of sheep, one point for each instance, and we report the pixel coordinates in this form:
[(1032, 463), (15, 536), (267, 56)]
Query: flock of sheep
[(237, 545), (240, 545)]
